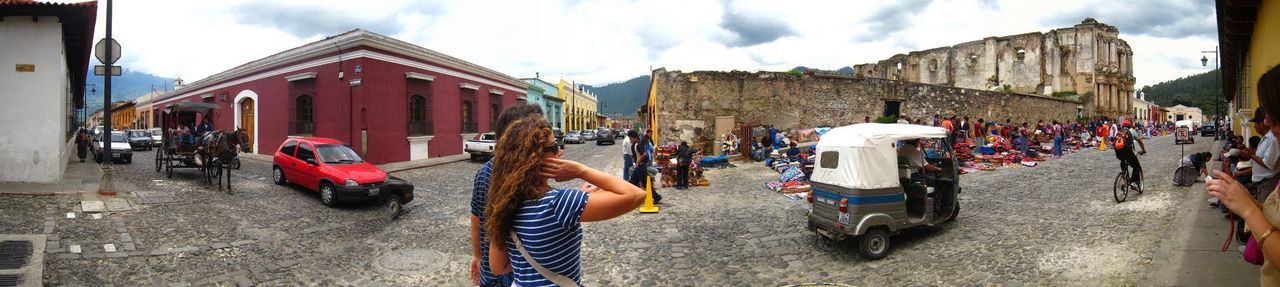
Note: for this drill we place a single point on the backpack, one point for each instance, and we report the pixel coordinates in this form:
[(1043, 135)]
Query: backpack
[(1124, 140)]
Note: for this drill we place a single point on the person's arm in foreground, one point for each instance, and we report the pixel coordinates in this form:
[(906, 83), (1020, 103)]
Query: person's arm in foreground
[(615, 196), (1140, 143), (475, 250), (498, 261), (1237, 198)]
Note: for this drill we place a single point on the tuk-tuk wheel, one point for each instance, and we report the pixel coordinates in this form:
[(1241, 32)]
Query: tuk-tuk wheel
[(874, 244), (954, 212)]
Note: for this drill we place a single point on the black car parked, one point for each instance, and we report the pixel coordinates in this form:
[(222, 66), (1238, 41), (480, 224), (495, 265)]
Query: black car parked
[(1208, 131), (604, 135), (139, 139)]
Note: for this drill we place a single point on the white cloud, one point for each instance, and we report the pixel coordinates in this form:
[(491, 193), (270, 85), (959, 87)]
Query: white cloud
[(604, 41)]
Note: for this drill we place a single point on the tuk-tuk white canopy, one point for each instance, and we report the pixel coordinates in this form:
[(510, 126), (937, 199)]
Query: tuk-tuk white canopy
[(865, 156)]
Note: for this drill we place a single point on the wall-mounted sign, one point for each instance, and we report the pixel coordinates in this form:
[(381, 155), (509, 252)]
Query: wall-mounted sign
[(25, 68), (356, 82), (358, 69)]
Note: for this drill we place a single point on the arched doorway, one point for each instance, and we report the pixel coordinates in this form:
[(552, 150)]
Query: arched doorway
[(247, 117), (246, 111)]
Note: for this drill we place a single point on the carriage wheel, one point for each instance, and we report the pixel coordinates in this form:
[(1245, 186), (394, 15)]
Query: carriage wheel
[(159, 157)]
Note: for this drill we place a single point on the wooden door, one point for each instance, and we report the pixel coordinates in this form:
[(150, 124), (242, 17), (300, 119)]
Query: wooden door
[(246, 118)]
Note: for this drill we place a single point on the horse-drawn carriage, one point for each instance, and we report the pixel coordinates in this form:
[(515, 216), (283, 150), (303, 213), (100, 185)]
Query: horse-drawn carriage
[(212, 152)]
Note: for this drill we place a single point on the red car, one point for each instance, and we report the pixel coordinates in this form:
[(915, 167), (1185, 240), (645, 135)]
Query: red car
[(337, 172)]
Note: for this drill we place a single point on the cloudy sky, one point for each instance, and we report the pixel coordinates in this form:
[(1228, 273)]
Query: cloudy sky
[(599, 42)]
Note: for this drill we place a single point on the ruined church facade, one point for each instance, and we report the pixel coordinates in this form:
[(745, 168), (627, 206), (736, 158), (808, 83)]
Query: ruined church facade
[(1088, 60)]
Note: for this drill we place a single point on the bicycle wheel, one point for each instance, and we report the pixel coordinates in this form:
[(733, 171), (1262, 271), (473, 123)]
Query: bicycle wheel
[(1121, 188), (1142, 180)]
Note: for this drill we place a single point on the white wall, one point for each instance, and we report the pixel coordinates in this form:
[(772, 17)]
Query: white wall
[(34, 110)]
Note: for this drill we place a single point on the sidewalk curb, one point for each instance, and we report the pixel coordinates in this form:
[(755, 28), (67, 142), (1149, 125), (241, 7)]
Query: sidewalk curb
[(427, 165)]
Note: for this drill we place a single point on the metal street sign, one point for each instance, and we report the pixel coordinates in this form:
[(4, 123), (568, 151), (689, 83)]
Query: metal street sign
[(1182, 136), (100, 70), (100, 51)]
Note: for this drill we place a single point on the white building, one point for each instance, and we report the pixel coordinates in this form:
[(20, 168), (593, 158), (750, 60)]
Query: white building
[(44, 56), (1180, 112), (1141, 110)]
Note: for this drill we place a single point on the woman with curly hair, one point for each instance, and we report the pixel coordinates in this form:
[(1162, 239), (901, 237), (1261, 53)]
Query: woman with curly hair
[(540, 227)]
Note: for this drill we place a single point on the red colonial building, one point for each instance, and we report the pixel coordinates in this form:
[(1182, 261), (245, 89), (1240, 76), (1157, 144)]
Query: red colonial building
[(389, 99)]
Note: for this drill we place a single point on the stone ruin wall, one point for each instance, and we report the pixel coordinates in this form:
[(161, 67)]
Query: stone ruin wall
[(688, 103), (1088, 58)]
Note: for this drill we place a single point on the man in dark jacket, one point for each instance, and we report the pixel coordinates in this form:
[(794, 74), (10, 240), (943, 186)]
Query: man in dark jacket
[(683, 156)]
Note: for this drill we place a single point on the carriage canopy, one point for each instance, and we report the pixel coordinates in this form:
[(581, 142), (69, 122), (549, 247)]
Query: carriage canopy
[(191, 107), (865, 156)]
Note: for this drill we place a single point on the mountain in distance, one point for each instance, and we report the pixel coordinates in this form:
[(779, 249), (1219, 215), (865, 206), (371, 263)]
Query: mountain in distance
[(129, 85), (622, 98), (846, 70), (1202, 91)]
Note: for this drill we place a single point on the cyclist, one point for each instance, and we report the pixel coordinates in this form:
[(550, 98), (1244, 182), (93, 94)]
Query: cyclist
[(1124, 151)]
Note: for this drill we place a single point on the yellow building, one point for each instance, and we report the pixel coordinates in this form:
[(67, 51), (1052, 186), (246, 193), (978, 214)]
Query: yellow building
[(1249, 32), (579, 106), (123, 115), (143, 105)]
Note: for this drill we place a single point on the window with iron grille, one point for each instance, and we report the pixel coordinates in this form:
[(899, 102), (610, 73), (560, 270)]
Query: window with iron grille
[(303, 121), (468, 111), (419, 116)]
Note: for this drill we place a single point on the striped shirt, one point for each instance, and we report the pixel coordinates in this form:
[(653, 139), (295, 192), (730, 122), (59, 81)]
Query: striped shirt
[(550, 231), (479, 195)]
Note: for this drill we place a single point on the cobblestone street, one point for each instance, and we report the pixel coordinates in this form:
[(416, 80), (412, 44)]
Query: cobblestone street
[(1052, 224)]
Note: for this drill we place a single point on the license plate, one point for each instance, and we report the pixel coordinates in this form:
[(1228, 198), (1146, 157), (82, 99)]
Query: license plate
[(373, 191), (844, 218)]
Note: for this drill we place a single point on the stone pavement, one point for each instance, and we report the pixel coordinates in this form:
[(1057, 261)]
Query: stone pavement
[(1055, 224), (1192, 254)]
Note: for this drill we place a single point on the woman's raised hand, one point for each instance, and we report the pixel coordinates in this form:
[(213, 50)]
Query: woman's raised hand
[(1231, 193), (561, 169)]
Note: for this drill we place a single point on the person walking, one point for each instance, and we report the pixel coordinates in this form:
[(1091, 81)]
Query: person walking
[(1057, 132), (82, 144), (683, 156), (640, 169), (481, 274), (536, 229), (627, 157)]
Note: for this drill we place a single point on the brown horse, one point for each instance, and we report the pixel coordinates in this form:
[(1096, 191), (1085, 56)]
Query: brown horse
[(217, 149)]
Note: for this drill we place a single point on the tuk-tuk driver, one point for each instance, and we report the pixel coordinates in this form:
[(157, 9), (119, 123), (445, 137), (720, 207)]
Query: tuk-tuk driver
[(910, 149)]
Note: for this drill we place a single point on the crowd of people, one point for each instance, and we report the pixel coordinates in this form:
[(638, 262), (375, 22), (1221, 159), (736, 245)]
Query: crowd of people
[(1255, 201)]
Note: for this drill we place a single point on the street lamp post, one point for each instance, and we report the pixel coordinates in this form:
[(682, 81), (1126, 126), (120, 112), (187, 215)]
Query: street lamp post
[(1217, 106), (84, 112)]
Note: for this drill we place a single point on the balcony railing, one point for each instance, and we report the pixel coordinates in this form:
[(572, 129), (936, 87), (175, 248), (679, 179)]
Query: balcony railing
[(421, 128), (302, 128), (469, 127)]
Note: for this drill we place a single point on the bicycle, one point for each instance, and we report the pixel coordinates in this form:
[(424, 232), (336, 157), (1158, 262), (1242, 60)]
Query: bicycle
[(1120, 190)]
